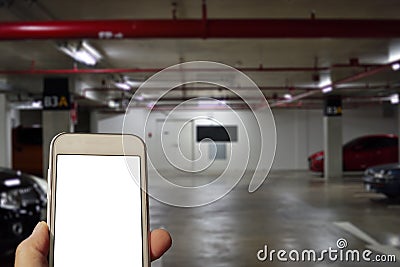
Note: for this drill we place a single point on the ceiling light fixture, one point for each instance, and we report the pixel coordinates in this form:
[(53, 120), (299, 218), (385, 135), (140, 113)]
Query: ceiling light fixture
[(27, 105), (327, 89), (325, 83), (151, 104), (113, 104), (37, 104), (139, 97), (122, 85), (133, 83), (396, 66), (394, 99), (287, 96), (82, 52)]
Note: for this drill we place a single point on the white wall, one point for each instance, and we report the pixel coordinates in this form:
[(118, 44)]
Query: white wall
[(367, 121), (111, 123), (228, 118), (299, 132)]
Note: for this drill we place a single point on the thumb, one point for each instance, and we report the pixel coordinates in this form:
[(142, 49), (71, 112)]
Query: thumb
[(32, 252)]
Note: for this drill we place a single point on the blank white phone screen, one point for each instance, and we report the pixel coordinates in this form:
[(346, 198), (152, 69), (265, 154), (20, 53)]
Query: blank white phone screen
[(98, 219)]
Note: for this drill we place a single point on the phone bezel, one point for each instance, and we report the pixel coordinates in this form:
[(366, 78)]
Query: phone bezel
[(97, 144)]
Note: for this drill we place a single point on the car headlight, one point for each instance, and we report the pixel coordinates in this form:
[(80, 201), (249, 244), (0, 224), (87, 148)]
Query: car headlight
[(10, 199)]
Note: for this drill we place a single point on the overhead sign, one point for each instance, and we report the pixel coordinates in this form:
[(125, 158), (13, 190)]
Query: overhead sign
[(56, 94), (333, 106)]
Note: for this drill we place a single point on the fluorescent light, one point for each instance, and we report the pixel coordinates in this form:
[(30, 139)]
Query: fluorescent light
[(82, 52), (394, 51), (394, 99), (123, 86), (326, 83), (133, 83), (113, 104), (84, 57), (396, 66), (327, 89), (139, 98), (287, 96), (37, 104), (91, 50), (27, 105)]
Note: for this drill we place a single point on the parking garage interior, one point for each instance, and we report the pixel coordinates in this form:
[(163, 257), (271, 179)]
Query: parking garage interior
[(258, 109)]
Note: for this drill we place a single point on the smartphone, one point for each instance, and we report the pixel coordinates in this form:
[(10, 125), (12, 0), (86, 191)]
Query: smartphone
[(97, 201)]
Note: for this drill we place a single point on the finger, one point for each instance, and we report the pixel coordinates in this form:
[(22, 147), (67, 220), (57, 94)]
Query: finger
[(33, 251), (160, 242)]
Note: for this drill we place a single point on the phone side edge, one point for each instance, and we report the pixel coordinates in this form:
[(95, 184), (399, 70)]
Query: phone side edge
[(51, 197), (145, 207)]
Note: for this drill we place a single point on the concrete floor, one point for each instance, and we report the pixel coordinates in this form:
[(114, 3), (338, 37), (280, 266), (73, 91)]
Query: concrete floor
[(292, 210)]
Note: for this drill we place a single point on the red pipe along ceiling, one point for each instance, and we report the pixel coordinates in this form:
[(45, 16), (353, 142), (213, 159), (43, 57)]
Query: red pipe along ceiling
[(75, 70), (201, 28)]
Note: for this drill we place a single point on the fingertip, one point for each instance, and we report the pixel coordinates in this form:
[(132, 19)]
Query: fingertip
[(160, 242), (40, 227)]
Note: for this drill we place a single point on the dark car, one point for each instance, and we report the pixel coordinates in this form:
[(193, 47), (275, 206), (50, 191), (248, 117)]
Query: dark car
[(362, 152), (384, 179), (22, 205)]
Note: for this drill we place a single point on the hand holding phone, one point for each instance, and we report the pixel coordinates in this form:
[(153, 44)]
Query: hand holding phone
[(34, 250), (97, 210)]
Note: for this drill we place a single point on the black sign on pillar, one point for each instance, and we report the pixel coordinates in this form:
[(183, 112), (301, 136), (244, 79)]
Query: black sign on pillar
[(56, 94), (333, 106)]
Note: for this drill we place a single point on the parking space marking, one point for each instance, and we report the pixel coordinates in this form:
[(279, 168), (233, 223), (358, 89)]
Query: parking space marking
[(385, 249), (371, 242), (366, 195), (354, 230)]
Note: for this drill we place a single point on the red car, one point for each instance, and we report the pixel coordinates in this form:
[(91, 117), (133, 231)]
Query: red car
[(362, 152)]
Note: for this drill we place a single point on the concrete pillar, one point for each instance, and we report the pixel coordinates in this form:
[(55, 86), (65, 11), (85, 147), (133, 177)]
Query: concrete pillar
[(5, 133), (333, 158), (56, 116), (54, 122), (333, 144), (94, 122), (398, 127)]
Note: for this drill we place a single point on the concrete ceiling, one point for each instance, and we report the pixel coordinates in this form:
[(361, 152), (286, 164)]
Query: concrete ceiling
[(241, 53)]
